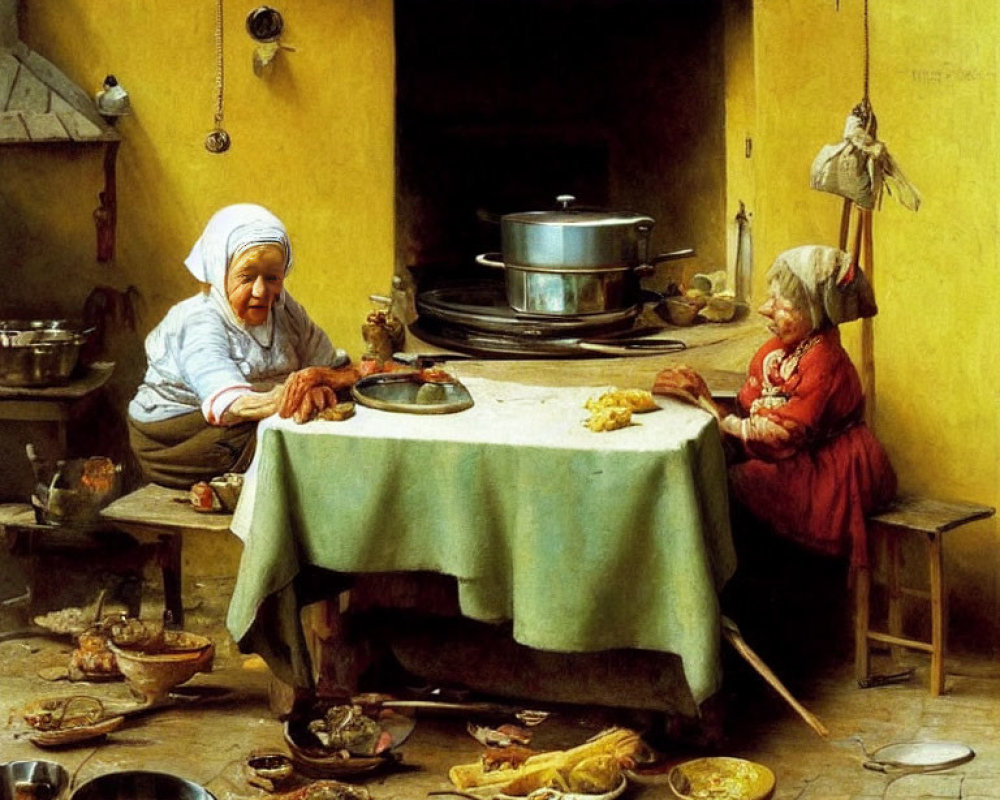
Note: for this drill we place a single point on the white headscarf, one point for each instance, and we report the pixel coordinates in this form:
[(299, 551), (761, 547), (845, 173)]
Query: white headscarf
[(230, 230), (838, 291)]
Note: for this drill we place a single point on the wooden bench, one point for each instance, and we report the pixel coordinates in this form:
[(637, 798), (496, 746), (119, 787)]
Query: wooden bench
[(909, 516), (44, 550), (164, 516)]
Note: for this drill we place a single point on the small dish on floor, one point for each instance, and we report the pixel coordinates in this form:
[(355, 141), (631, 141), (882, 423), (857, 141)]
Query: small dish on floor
[(75, 734)]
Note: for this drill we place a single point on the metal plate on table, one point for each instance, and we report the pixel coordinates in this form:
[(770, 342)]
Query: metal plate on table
[(411, 394)]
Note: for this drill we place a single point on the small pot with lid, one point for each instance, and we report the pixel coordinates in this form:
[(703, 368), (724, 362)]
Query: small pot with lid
[(574, 261)]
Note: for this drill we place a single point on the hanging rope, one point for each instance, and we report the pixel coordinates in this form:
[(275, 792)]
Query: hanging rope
[(867, 46), (859, 200)]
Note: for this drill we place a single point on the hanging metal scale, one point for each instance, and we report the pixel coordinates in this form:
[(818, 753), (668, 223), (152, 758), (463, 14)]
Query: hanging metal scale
[(218, 140)]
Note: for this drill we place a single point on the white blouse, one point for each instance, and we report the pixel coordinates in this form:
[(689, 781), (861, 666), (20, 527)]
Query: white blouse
[(200, 357)]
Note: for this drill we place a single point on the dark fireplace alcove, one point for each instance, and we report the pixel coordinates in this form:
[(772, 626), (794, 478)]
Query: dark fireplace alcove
[(504, 104)]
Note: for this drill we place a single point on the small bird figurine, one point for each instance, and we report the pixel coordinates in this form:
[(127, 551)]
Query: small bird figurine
[(112, 99)]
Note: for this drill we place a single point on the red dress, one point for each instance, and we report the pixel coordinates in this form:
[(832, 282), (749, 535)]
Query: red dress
[(817, 485)]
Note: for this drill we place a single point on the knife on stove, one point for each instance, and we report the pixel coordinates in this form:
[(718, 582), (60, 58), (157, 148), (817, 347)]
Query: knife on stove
[(629, 347)]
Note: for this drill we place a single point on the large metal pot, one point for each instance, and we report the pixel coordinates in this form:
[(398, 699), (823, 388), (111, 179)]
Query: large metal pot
[(572, 261), (39, 352)]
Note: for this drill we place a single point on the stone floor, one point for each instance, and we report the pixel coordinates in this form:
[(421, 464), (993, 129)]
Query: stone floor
[(208, 741)]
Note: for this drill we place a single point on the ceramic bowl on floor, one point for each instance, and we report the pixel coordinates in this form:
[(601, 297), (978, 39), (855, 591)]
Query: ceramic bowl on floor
[(154, 674), (141, 785), (42, 780), (723, 778)]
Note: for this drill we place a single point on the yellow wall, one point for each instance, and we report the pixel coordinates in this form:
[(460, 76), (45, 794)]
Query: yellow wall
[(934, 90), (313, 141)]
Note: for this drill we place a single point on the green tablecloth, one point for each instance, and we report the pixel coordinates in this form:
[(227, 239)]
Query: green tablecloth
[(585, 541)]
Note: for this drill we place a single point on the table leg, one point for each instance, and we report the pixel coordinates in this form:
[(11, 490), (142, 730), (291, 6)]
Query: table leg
[(937, 614), (170, 565), (337, 661), (893, 563)]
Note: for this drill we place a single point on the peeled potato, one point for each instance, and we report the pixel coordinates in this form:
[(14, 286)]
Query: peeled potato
[(637, 401), (610, 418), (337, 412)]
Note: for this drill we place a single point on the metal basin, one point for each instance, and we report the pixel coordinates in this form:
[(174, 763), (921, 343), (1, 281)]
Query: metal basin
[(39, 352), (42, 780), (141, 785)]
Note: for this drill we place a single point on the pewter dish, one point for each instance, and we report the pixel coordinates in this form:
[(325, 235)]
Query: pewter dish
[(141, 785), (409, 393), (482, 306), (919, 756), (47, 779)]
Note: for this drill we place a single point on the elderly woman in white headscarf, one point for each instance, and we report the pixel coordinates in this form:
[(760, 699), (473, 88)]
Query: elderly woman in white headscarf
[(809, 467), (218, 361)]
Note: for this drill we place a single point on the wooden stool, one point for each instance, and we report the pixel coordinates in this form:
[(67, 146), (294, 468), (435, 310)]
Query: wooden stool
[(161, 516), (909, 515)]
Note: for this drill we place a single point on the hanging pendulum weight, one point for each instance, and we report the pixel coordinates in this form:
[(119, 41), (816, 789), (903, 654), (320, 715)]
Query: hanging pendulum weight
[(218, 140)]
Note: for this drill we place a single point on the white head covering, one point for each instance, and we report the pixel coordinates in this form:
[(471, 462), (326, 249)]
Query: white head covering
[(838, 290), (229, 231)]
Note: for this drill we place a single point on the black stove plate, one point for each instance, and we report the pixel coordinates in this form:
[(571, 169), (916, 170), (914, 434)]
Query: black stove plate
[(482, 306)]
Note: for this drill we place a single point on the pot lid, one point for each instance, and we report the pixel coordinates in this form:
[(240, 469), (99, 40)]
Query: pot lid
[(586, 217)]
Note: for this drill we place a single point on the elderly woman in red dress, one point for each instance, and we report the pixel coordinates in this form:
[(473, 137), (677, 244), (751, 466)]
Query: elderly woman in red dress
[(808, 466)]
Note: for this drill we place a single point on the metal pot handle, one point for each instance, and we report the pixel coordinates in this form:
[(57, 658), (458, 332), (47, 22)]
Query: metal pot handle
[(494, 260), (645, 230), (647, 266)]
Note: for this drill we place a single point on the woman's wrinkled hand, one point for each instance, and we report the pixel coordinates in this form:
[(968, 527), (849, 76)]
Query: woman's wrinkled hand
[(686, 384), (310, 390)]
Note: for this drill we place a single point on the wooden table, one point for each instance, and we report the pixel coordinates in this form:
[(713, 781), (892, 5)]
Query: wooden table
[(164, 516), (57, 404)]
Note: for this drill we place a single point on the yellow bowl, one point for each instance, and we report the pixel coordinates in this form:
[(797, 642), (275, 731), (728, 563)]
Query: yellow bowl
[(721, 778)]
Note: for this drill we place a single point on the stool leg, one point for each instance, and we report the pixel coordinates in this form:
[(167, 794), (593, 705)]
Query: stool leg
[(170, 566), (935, 556), (862, 593), (895, 620)]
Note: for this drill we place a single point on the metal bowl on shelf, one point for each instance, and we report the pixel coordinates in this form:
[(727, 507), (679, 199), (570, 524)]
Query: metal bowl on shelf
[(40, 352)]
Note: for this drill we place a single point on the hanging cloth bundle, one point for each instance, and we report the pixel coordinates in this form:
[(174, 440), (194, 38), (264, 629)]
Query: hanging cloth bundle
[(860, 167)]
